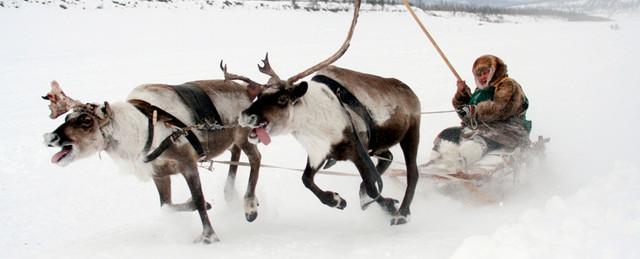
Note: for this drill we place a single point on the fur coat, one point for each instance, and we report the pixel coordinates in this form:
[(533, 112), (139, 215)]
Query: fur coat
[(500, 119)]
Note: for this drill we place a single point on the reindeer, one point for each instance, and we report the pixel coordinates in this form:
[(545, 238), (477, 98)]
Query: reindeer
[(126, 130), (341, 115)]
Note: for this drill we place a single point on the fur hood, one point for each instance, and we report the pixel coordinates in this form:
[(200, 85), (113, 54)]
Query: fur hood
[(497, 68)]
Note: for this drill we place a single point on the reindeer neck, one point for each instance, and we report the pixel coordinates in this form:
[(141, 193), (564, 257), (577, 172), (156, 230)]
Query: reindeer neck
[(128, 131), (318, 122)]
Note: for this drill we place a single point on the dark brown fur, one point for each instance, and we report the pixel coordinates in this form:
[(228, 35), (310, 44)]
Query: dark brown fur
[(400, 127)]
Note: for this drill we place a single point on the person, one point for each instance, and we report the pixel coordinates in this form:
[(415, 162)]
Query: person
[(493, 116)]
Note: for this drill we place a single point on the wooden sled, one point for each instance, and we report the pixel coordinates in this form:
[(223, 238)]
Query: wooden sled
[(498, 168)]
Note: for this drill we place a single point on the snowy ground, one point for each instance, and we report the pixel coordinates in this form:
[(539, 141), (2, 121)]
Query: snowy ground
[(581, 78)]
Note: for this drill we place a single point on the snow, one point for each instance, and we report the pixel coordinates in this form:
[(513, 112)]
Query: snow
[(581, 79)]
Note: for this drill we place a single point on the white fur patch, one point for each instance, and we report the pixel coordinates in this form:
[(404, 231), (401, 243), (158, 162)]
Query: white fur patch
[(129, 132), (450, 154), (230, 105), (317, 123), (472, 151), (381, 110)]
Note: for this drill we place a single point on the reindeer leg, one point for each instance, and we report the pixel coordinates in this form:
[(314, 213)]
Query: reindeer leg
[(163, 184), (192, 177), (388, 204), (368, 187), (188, 205), (250, 201), (383, 164), (230, 194), (331, 199), (409, 145)]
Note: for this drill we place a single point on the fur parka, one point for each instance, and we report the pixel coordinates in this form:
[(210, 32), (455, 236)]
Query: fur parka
[(500, 119)]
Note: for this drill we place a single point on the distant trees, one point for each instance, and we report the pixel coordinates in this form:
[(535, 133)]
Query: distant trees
[(491, 13), (446, 6)]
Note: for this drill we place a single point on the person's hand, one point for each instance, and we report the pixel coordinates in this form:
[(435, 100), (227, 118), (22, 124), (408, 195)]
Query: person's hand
[(466, 111), (461, 84)]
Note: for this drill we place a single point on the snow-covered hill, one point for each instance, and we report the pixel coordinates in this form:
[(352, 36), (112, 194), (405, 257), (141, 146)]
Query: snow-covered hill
[(600, 7)]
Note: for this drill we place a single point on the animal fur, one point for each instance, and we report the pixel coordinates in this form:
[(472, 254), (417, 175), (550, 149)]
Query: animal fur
[(312, 113), (121, 130)]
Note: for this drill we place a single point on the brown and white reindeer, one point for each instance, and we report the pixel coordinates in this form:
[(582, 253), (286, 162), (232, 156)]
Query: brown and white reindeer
[(342, 114), (153, 112)]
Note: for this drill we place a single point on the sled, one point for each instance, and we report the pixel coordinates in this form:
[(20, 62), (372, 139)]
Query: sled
[(486, 179)]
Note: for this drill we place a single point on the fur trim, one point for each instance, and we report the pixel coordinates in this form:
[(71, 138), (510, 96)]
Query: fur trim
[(450, 154), (497, 66), (472, 151)]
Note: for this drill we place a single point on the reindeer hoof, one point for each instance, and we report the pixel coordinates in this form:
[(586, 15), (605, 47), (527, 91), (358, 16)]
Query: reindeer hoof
[(251, 208), (207, 239), (251, 216), (399, 220), (342, 204), (334, 200), (388, 205)]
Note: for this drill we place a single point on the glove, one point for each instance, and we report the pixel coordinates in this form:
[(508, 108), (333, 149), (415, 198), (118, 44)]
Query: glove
[(466, 111)]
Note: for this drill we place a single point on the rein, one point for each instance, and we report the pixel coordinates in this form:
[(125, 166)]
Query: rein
[(435, 112)]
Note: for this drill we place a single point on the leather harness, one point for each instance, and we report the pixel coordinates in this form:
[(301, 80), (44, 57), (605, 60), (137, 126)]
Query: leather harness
[(204, 113), (346, 97)]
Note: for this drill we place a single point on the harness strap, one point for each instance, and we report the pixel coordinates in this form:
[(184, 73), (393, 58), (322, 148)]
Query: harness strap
[(347, 97), (197, 99), (147, 109), (343, 96)]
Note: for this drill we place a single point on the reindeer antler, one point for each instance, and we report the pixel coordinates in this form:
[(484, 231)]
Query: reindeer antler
[(335, 56), (59, 103), (266, 69), (275, 79), (229, 76), (253, 88)]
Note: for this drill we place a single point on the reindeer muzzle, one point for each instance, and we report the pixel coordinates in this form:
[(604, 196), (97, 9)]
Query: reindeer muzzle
[(52, 139)]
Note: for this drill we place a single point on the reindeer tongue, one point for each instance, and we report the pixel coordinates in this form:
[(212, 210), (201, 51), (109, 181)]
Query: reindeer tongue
[(262, 135), (58, 156)]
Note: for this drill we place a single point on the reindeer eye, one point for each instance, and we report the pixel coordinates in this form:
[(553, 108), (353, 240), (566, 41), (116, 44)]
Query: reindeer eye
[(85, 121), (283, 100)]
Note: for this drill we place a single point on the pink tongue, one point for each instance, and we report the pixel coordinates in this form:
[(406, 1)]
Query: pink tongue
[(59, 156), (263, 136)]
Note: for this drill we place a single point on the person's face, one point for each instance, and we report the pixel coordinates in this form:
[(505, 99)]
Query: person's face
[(482, 74)]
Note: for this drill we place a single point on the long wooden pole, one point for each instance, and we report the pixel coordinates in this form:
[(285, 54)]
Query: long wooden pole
[(424, 29)]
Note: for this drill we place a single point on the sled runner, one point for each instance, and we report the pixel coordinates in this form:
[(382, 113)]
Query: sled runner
[(485, 179)]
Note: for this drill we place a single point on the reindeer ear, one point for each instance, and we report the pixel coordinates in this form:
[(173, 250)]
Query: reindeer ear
[(105, 111), (254, 90), (300, 89)]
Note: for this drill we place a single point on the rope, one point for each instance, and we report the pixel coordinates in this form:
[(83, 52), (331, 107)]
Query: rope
[(392, 173), (280, 167), (434, 112), (424, 29)]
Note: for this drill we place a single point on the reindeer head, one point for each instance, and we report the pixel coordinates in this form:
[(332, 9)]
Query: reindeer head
[(82, 132), (272, 111)]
